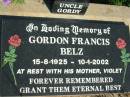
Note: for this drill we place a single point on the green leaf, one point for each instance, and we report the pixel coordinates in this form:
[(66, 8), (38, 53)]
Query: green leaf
[(12, 51), (13, 60), (125, 56), (123, 51), (5, 61), (122, 57), (124, 60), (7, 54), (128, 60), (10, 48), (2, 65), (14, 56)]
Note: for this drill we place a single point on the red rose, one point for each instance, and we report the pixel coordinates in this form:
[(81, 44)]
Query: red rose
[(120, 43), (15, 41)]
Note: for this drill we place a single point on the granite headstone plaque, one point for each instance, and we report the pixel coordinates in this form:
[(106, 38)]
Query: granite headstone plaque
[(49, 56), (77, 7)]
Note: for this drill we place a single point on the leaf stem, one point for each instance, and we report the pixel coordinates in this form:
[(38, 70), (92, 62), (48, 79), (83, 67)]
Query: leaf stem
[(125, 69), (12, 71), (2, 65)]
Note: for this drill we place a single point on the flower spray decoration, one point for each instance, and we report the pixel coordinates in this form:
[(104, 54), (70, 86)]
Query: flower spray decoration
[(7, 2), (10, 55), (125, 57)]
